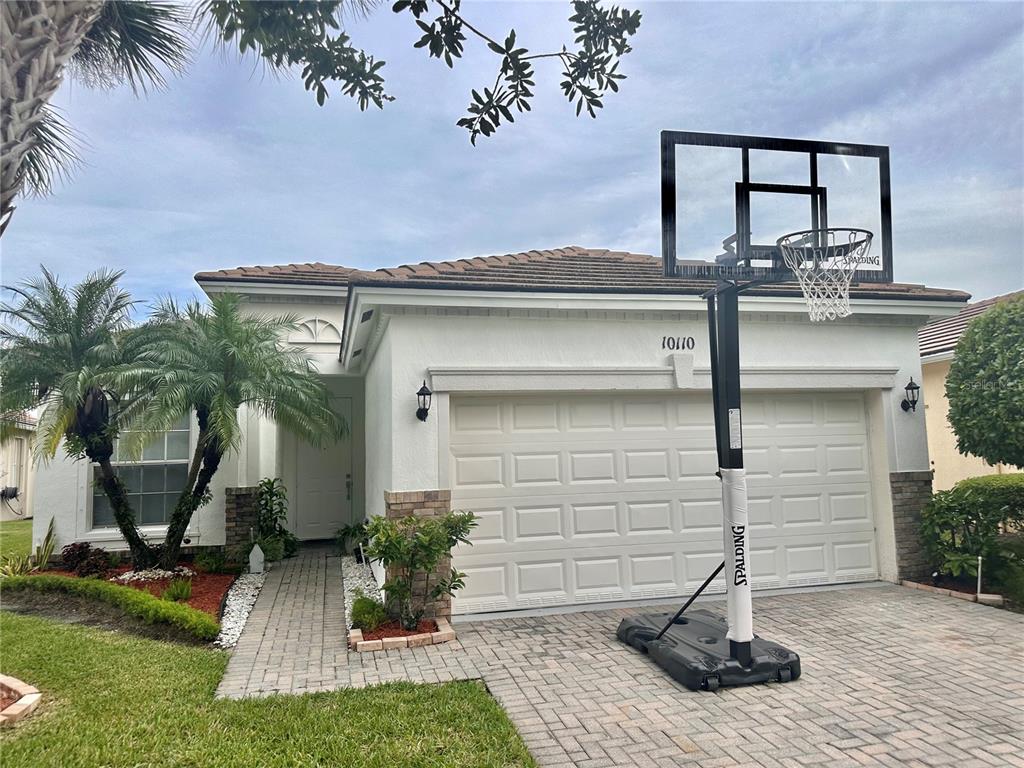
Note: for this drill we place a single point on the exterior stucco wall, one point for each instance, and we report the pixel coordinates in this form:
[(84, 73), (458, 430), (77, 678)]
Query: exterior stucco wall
[(415, 343), (949, 464), (382, 399), (420, 342)]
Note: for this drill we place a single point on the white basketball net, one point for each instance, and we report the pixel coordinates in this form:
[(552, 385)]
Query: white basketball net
[(824, 261)]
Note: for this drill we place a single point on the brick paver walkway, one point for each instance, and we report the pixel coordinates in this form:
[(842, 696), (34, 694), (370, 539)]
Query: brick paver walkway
[(891, 677)]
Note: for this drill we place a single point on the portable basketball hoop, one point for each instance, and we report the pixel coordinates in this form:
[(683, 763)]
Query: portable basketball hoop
[(700, 650), (824, 262)]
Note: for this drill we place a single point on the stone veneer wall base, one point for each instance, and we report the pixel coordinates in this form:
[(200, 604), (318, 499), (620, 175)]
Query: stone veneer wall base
[(910, 492), (241, 511), (424, 504)]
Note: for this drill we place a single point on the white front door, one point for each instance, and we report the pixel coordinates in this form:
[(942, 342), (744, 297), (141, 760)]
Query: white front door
[(320, 495), (585, 498)]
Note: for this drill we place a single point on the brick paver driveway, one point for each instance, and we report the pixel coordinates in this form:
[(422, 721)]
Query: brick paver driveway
[(891, 676)]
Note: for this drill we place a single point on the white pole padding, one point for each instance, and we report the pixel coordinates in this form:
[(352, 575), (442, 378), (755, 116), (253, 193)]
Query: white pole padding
[(737, 555)]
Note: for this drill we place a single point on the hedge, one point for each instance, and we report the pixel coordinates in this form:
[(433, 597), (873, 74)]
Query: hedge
[(966, 521), (1001, 491), (134, 602)]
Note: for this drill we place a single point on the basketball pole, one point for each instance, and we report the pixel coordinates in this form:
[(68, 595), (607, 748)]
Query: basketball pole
[(724, 348)]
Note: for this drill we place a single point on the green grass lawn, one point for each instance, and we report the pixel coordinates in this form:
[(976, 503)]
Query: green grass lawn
[(117, 700), (15, 537)]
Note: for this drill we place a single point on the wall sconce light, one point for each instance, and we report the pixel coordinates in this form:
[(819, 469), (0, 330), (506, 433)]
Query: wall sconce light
[(913, 393), (423, 396)]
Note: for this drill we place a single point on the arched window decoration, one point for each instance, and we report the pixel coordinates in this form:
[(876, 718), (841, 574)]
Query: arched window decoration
[(316, 330)]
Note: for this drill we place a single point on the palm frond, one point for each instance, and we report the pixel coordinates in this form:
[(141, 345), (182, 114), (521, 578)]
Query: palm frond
[(52, 156), (62, 349), (134, 42), (221, 359)]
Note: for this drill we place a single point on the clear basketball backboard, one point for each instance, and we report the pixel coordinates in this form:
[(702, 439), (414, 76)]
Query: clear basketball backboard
[(727, 199)]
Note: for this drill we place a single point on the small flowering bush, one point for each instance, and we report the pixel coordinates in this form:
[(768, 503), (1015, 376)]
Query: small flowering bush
[(410, 549)]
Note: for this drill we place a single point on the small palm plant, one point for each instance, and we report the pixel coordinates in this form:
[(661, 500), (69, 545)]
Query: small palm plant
[(72, 354), (214, 361)]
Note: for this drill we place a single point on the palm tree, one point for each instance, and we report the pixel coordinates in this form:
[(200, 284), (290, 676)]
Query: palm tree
[(103, 42), (70, 353), (213, 361)]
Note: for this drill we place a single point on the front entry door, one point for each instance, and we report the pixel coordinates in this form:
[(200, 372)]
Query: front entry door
[(321, 499)]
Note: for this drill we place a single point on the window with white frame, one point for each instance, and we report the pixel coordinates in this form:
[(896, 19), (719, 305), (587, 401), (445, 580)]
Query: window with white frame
[(153, 483)]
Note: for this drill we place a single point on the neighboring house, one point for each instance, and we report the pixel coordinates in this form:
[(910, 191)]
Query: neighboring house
[(571, 412), (938, 342), (17, 471)]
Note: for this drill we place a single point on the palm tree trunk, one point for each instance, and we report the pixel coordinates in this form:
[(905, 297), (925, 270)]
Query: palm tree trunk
[(142, 554), (39, 37), (190, 500)]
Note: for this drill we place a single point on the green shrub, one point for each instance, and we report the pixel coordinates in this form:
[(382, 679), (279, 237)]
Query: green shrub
[(410, 549), (178, 591), (133, 602), (1010, 580), (210, 561), (350, 536), (367, 613), (966, 521), (273, 548), (291, 543), (272, 503)]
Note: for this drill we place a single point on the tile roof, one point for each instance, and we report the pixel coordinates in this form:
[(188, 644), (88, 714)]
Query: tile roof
[(576, 269), (316, 273), (942, 335)]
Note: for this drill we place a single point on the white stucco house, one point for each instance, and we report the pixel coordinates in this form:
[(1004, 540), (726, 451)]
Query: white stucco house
[(571, 412)]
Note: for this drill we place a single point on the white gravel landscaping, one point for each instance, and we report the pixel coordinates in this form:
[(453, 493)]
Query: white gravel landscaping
[(154, 574), (356, 577), (240, 600)]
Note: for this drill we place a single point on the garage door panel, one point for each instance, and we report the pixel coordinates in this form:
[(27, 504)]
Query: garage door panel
[(590, 415), (587, 467), (681, 516), (594, 520), (534, 417), (561, 577), (533, 469), (593, 498)]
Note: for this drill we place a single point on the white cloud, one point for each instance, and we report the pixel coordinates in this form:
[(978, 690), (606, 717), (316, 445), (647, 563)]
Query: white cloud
[(229, 166)]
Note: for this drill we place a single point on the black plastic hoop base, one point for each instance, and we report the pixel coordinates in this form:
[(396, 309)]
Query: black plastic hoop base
[(695, 652)]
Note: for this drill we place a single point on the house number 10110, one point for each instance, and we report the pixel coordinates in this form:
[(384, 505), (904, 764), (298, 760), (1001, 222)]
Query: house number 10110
[(675, 343)]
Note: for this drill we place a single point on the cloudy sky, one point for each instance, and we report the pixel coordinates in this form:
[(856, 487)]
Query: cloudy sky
[(229, 166)]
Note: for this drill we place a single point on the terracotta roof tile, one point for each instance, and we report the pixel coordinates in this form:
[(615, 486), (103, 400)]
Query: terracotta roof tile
[(942, 335), (570, 268), (314, 273)]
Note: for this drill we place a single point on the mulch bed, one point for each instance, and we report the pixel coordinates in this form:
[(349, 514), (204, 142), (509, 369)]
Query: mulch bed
[(208, 589), (7, 698), (968, 586), (394, 629)]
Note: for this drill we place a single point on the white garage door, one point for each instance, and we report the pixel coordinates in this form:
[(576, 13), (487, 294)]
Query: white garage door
[(588, 498)]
